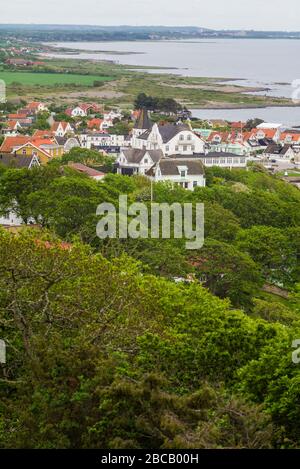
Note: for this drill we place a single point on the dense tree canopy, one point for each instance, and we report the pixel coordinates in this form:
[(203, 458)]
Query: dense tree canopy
[(142, 343)]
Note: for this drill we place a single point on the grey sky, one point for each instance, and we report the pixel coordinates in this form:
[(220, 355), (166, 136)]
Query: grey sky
[(219, 14)]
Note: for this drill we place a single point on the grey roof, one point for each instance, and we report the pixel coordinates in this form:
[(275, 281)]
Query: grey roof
[(143, 121), (169, 131), (277, 149), (170, 167), (221, 154), (136, 156), (15, 161), (193, 156), (63, 140), (145, 135)]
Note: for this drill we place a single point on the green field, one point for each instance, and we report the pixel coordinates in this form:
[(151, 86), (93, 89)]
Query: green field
[(48, 79)]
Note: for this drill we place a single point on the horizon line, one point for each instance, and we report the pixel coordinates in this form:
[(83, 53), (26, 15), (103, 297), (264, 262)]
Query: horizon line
[(154, 26)]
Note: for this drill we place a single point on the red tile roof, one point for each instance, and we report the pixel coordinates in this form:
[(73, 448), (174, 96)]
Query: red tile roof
[(33, 105), (293, 137), (43, 134), (85, 169), (269, 133), (95, 123), (10, 142)]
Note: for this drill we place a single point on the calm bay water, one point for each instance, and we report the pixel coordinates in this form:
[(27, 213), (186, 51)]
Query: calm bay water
[(264, 63), (288, 116)]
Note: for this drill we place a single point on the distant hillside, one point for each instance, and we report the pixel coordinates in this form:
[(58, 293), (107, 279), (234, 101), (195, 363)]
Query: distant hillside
[(129, 33)]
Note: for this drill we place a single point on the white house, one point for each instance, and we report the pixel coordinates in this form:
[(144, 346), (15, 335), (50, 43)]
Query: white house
[(102, 139), (132, 161), (187, 173), (10, 219), (280, 152), (169, 138), (60, 129), (94, 139), (224, 160), (36, 106), (78, 111), (68, 143)]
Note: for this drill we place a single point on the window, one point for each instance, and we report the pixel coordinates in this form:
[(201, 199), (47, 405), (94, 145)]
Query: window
[(184, 148), (181, 137), (167, 148), (243, 160), (146, 160), (229, 160), (189, 137), (236, 160), (216, 161), (195, 183), (186, 185), (193, 147), (222, 161), (182, 174), (176, 148), (24, 151)]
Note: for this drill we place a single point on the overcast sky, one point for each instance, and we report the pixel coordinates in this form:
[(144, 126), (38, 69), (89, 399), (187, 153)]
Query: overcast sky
[(218, 14)]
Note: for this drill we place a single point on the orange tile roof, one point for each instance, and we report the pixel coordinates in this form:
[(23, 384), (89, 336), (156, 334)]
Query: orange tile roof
[(11, 124), (33, 105), (41, 141), (224, 136), (11, 142), (43, 134), (269, 133), (95, 123), (15, 116), (294, 137)]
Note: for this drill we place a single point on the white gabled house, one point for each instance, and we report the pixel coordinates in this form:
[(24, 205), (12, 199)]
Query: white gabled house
[(187, 173), (60, 129), (169, 138), (280, 152), (133, 161)]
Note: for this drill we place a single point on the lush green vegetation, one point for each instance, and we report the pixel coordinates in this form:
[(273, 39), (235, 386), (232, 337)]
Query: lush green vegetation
[(106, 350), (48, 79), (58, 77)]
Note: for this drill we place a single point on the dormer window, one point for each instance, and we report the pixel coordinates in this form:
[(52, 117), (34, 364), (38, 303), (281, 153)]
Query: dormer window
[(182, 171)]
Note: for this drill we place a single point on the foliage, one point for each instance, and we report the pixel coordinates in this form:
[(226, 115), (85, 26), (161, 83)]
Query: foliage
[(138, 343), (157, 104)]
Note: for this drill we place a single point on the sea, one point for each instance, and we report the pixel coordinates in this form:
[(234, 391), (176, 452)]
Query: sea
[(272, 64)]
